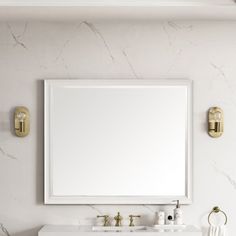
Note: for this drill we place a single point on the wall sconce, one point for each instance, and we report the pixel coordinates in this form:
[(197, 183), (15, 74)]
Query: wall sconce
[(215, 122), (22, 123)]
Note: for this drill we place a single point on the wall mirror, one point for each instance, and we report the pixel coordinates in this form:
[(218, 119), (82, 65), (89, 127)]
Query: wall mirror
[(117, 141)]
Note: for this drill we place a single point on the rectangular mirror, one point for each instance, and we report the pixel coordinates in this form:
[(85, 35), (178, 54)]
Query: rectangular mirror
[(117, 141)]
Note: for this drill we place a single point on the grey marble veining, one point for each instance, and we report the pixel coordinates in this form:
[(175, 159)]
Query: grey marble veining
[(6, 154), (226, 175), (95, 30), (130, 64), (18, 38), (4, 230)]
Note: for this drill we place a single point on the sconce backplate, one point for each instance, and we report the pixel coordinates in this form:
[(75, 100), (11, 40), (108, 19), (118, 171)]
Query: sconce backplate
[(215, 122), (21, 121)]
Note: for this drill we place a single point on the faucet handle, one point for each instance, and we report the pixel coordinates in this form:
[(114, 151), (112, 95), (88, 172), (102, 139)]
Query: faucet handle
[(106, 219), (131, 219)]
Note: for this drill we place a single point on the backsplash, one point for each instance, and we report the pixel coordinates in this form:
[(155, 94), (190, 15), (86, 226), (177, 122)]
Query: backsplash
[(204, 51)]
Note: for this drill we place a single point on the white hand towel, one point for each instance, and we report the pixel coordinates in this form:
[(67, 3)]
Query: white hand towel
[(222, 230), (216, 230)]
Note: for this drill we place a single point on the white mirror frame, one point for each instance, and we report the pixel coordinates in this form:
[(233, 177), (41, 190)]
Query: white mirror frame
[(51, 198)]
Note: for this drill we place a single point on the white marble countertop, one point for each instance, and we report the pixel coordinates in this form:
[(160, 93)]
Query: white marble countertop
[(87, 230)]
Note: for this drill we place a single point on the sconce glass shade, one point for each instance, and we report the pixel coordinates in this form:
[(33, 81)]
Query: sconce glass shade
[(21, 116)]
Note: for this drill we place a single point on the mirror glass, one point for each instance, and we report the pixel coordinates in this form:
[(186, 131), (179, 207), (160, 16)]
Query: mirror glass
[(117, 141)]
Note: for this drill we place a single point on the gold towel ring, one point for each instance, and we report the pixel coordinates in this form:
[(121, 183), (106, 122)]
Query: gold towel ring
[(216, 209)]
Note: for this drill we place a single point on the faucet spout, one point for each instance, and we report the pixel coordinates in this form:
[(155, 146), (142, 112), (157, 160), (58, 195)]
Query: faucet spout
[(118, 218)]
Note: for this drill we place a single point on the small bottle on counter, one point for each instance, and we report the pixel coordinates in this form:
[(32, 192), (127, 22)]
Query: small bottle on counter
[(160, 218), (178, 215), (170, 220)]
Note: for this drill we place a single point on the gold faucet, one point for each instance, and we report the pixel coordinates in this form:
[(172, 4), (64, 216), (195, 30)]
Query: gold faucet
[(106, 219), (118, 218), (131, 219)]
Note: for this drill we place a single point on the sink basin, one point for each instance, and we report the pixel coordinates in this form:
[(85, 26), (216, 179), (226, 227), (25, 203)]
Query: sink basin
[(119, 228)]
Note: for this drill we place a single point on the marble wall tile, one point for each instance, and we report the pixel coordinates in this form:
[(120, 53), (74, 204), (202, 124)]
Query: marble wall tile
[(204, 51)]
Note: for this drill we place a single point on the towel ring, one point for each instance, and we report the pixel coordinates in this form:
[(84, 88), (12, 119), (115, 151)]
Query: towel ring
[(216, 209)]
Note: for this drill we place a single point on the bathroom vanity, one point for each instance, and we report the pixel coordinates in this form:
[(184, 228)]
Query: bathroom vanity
[(56, 230)]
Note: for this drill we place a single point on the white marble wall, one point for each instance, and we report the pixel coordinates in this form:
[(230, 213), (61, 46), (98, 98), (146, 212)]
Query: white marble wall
[(31, 51)]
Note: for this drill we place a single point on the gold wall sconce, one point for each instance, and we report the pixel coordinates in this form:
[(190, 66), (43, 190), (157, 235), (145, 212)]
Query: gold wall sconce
[(215, 122), (22, 122)]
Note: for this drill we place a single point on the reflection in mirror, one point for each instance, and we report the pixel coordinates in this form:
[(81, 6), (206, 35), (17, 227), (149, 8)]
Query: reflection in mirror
[(117, 141)]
